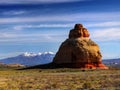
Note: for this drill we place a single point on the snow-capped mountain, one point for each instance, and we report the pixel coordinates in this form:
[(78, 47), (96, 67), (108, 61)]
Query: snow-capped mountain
[(30, 59)]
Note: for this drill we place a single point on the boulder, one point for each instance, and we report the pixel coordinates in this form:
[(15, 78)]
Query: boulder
[(79, 51)]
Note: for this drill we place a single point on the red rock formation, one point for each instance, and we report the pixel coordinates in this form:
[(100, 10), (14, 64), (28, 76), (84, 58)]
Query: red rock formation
[(79, 51)]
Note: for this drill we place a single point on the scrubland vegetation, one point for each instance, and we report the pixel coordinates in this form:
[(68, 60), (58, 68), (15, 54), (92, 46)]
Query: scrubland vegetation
[(59, 79)]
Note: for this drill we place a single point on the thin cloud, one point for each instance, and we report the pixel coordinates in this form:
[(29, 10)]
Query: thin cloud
[(13, 12), (30, 38), (22, 27), (105, 24), (72, 17), (67, 25), (36, 1)]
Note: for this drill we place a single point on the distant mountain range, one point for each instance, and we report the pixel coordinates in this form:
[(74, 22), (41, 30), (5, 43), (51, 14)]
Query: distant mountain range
[(31, 59), (112, 62)]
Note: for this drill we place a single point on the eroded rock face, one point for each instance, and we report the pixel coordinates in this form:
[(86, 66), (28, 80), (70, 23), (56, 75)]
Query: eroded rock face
[(79, 51)]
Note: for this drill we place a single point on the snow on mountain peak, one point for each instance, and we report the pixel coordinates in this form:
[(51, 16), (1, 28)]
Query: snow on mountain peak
[(51, 52), (27, 54), (48, 53), (39, 53)]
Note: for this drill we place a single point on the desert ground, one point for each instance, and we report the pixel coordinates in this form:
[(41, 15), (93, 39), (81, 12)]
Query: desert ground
[(59, 79)]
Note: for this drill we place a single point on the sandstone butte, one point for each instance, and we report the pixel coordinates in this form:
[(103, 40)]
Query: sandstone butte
[(79, 51)]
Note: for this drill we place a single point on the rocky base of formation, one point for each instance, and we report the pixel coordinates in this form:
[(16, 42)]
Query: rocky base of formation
[(81, 66), (68, 65)]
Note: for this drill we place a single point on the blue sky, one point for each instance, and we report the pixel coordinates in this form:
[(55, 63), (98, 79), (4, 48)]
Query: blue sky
[(42, 25)]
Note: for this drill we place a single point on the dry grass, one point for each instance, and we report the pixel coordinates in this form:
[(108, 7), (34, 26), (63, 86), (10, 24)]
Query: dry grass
[(59, 79)]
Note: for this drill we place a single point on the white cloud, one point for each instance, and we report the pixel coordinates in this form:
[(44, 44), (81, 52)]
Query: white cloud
[(109, 34), (36, 1)]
